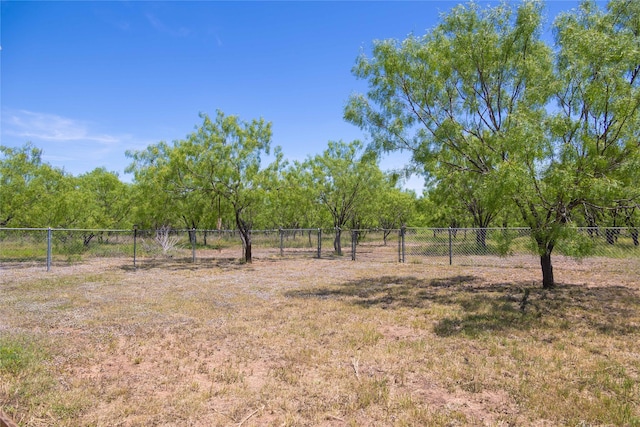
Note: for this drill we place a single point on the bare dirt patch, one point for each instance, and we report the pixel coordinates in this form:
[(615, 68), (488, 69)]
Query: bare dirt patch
[(319, 342)]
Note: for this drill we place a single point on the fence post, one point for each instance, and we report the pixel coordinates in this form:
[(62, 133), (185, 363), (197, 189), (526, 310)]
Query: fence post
[(281, 241), (319, 243), (49, 249), (354, 239), (193, 244), (135, 239), (402, 247), (450, 248)]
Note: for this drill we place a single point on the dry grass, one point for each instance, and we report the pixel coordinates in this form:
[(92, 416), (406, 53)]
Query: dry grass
[(319, 342)]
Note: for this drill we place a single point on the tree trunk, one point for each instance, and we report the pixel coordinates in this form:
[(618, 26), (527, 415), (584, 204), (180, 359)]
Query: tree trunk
[(247, 252), (86, 239), (611, 235), (337, 242), (245, 236), (545, 248), (547, 271), (386, 234)]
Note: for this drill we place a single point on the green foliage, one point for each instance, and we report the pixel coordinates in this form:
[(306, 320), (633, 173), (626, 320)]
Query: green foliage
[(394, 208), (345, 180), (575, 244), (220, 161), (292, 203), (498, 120), (504, 241), (34, 194), (158, 198), (105, 199), (18, 170)]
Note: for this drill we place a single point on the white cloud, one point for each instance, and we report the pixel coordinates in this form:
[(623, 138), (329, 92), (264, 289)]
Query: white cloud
[(75, 145), (161, 27), (51, 127)]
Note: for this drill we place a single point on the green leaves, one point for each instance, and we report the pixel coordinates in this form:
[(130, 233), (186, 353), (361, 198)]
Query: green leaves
[(596, 127), (345, 179), (33, 193), (219, 161), (497, 119)]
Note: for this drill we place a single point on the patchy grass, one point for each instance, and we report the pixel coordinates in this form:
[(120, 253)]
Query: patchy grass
[(318, 342)]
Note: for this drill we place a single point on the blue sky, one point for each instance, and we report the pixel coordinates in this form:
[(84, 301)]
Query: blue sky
[(86, 81)]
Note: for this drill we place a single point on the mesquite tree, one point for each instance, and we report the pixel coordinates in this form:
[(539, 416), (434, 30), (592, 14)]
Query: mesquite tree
[(547, 128), (220, 160), (345, 180)]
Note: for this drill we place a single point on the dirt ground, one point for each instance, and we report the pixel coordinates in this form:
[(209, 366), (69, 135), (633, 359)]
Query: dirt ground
[(303, 341)]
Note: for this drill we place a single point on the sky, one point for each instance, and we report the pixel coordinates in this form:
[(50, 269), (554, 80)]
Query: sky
[(87, 81)]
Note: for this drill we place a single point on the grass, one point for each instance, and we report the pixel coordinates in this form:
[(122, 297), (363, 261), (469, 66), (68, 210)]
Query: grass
[(319, 342)]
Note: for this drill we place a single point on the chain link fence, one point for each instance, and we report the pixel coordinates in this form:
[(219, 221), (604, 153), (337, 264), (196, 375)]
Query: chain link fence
[(433, 246), (28, 247), (25, 247), (509, 246)]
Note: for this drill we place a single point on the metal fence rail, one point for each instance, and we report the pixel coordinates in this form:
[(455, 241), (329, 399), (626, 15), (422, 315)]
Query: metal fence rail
[(22, 247)]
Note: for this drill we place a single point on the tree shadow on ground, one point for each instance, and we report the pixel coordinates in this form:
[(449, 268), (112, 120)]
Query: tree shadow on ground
[(477, 306), (181, 264)]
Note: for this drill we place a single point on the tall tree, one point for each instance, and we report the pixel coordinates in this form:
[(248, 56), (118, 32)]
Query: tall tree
[(18, 170), (344, 179), (106, 200), (35, 194), (159, 200), (477, 93), (291, 204), (595, 129), (221, 160), (590, 147), (395, 207)]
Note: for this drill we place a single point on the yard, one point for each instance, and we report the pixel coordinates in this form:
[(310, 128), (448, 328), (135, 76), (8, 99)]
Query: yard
[(289, 342)]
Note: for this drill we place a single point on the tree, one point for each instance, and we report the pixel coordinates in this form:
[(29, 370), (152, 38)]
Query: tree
[(18, 170), (106, 200), (152, 198), (590, 150), (33, 193), (292, 204), (344, 178), (473, 194), (395, 208), (595, 127), (477, 94), (221, 160), (160, 199)]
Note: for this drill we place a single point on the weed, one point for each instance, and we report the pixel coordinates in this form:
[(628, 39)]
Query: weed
[(373, 391), (228, 374), (18, 354)]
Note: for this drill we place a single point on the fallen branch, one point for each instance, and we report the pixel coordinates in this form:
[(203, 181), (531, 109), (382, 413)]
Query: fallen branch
[(223, 414), (250, 415), (333, 417)]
